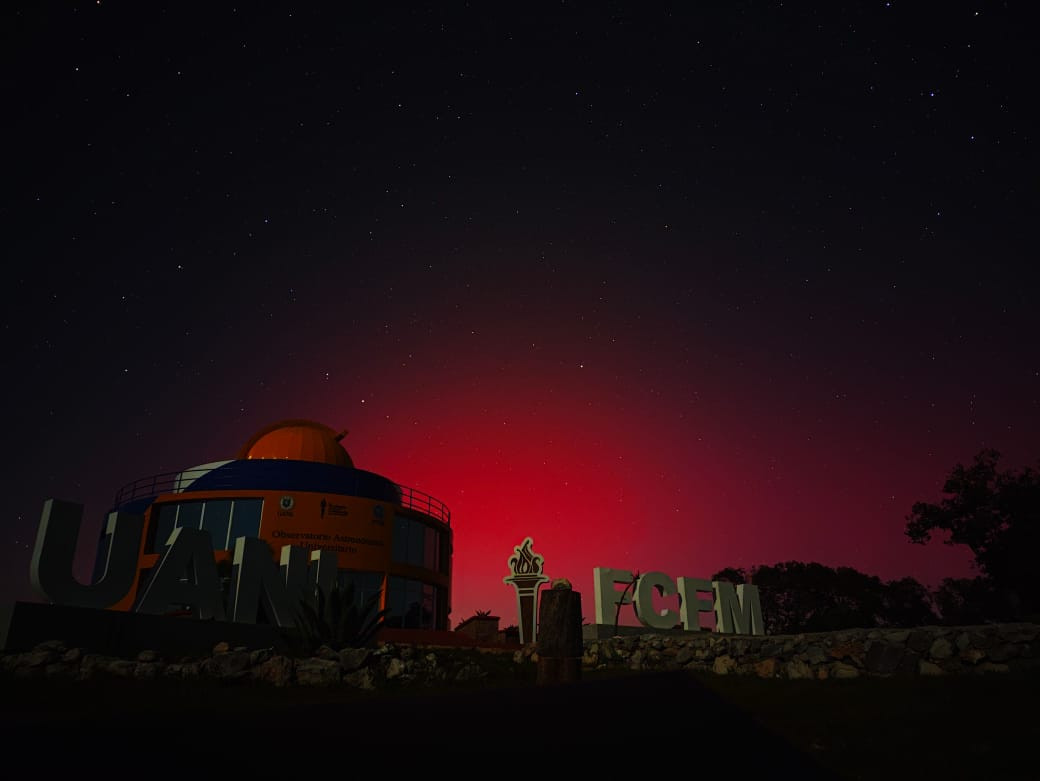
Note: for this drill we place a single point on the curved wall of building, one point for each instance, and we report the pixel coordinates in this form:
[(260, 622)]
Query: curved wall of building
[(383, 542)]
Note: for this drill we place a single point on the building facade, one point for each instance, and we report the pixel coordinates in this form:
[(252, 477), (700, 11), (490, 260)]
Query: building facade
[(293, 483)]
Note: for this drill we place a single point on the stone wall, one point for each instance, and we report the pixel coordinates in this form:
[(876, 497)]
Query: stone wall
[(999, 648), (387, 666), (931, 650)]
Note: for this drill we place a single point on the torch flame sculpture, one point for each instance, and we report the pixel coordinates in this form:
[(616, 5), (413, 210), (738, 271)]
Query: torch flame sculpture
[(526, 566)]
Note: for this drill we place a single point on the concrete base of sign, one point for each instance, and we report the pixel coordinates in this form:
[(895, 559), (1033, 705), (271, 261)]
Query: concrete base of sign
[(604, 631), (23, 625)]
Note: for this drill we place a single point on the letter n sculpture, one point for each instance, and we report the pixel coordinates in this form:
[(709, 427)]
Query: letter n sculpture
[(526, 566)]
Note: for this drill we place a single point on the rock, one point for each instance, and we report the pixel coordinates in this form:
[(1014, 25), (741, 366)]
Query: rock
[(920, 640), (228, 665), (146, 671), (767, 668), (896, 636), (54, 646), (60, 670), (121, 668), (1003, 652), (90, 665), (815, 655), (259, 656), (351, 659), (222, 647), (325, 652), (685, 655), (470, 672), (191, 670), (910, 664), (883, 658), (39, 656), (147, 656), (972, 655), (724, 665), (991, 667), (73, 655), (394, 669), (361, 679), (940, 649), (770, 649), (848, 650), (277, 671), (317, 672), (797, 669), (963, 641), (1013, 633), (930, 668), (560, 584), (843, 670)]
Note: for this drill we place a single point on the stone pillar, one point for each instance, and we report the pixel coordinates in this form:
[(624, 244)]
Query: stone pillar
[(560, 646)]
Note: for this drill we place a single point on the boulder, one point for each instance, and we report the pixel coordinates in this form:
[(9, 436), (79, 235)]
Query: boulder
[(317, 672), (940, 649), (361, 679), (724, 665), (351, 659), (394, 669), (276, 671), (767, 668), (884, 658), (843, 670), (797, 669)]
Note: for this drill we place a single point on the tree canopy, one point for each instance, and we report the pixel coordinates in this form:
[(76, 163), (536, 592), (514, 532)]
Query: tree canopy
[(812, 597), (997, 515)]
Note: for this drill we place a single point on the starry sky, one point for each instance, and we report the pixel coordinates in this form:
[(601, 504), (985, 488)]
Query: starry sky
[(666, 288)]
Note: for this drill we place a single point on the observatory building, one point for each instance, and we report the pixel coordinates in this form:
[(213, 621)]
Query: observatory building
[(293, 483)]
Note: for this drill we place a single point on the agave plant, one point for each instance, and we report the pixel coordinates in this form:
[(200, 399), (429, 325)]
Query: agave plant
[(337, 620), (482, 613)]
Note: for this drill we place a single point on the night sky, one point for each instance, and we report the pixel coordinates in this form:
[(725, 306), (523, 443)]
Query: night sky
[(719, 285)]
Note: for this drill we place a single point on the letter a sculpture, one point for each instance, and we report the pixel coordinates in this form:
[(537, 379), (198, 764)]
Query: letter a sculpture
[(526, 566)]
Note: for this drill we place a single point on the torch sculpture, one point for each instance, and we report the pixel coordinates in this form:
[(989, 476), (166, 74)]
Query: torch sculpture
[(526, 566)]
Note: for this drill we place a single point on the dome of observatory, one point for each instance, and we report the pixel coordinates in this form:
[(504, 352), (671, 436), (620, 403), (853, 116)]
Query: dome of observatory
[(298, 440)]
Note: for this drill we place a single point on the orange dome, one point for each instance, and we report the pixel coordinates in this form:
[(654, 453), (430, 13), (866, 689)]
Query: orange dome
[(298, 440)]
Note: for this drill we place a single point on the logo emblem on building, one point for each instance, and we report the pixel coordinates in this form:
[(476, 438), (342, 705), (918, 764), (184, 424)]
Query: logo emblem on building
[(287, 503)]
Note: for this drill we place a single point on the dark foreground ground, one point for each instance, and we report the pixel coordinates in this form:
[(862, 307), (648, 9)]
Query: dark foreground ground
[(952, 728)]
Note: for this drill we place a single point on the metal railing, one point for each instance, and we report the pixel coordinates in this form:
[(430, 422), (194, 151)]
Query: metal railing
[(424, 503), (166, 482), (147, 487)]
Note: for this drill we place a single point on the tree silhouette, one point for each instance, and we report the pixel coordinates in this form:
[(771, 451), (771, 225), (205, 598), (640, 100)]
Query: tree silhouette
[(997, 515), (801, 597)]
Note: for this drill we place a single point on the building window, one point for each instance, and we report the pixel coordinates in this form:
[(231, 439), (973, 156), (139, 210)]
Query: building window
[(416, 539), (399, 548), (225, 519), (189, 515), (412, 604), (366, 584), (216, 519), (245, 519), (163, 523), (430, 545), (418, 544)]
